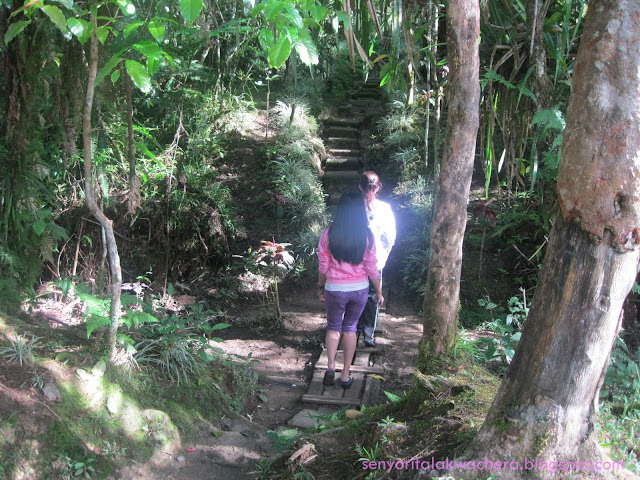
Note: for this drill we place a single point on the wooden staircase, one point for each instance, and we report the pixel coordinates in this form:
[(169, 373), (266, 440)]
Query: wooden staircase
[(343, 137)]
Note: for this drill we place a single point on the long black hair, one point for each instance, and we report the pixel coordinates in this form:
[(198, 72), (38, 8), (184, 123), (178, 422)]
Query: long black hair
[(349, 233)]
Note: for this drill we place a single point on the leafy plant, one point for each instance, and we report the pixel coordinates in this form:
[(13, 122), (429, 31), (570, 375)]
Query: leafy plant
[(279, 261), (506, 334), (111, 449), (622, 382), (176, 355), (20, 350), (75, 469), (371, 455)]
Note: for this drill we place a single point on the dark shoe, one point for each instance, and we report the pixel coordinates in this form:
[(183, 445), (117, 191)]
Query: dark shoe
[(329, 376), (347, 384), (368, 342)]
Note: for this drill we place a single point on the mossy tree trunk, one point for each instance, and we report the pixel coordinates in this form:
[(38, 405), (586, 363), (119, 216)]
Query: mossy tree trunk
[(450, 207), (547, 404)]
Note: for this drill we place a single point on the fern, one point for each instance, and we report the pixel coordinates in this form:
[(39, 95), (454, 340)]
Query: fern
[(132, 318), (47, 246), (492, 76), (550, 119), (96, 321)]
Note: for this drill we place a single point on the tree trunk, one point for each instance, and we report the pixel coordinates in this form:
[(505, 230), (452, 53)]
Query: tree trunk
[(134, 181), (450, 208), (547, 404), (106, 223)]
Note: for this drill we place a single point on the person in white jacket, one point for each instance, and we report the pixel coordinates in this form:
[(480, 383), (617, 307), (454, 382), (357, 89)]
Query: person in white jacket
[(383, 226)]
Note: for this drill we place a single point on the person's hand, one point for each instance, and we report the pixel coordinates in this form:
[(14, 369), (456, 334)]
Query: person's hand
[(379, 299), (321, 294)]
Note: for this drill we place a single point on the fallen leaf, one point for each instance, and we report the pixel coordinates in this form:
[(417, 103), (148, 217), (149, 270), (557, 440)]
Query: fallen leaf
[(351, 413)]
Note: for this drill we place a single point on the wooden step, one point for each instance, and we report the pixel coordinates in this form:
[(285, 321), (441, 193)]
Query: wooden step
[(348, 132), (343, 163), (342, 122), (364, 102), (342, 142), (343, 177), (344, 152)]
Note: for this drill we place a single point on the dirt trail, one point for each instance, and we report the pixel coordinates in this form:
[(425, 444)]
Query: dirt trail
[(285, 366)]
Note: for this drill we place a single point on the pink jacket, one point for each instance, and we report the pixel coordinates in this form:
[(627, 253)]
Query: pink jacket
[(343, 272)]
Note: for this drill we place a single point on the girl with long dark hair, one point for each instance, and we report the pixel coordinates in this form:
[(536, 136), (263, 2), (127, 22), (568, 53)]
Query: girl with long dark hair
[(347, 257)]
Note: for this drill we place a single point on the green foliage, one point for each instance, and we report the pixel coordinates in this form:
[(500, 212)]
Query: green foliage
[(622, 383), (179, 345), (297, 200), (505, 328), (551, 125), (20, 350), (77, 469), (620, 406), (286, 18)]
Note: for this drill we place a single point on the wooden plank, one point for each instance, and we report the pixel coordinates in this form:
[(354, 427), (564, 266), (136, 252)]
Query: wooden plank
[(328, 400), (355, 368), (316, 386), (361, 359), (355, 391), (372, 388)]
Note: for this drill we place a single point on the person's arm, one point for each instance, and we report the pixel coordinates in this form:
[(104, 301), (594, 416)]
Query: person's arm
[(324, 257), (371, 267), (377, 285)]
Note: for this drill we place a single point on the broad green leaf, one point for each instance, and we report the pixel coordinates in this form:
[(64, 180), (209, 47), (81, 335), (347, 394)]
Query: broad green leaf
[(102, 33), (148, 48), (220, 326), (132, 27), (157, 30), (384, 80), (139, 75), (344, 18), (306, 49), (272, 8), (279, 52), (153, 64), (293, 15), (126, 7), (106, 70), (56, 16), (39, 227), (190, 9), (15, 29), (265, 37), (81, 29), (115, 76), (318, 12), (26, 6), (257, 9), (169, 58)]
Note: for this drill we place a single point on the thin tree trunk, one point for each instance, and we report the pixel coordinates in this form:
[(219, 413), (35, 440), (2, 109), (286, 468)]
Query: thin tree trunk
[(450, 207), (112, 247), (547, 404), (134, 182)]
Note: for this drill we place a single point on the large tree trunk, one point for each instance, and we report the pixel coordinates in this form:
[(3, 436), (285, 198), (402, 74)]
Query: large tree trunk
[(450, 208), (547, 404), (112, 247)]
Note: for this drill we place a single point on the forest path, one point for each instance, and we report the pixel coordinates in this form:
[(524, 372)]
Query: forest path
[(232, 449), (290, 361)]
